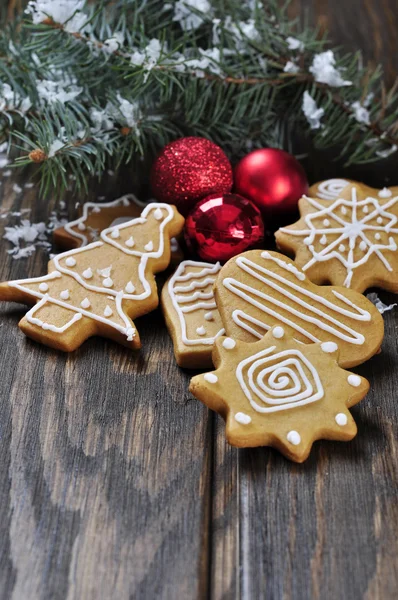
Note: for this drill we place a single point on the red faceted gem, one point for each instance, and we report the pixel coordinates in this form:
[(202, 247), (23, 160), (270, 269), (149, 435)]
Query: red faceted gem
[(223, 225)]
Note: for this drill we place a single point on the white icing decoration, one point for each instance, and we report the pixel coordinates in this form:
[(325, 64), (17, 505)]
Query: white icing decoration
[(108, 312), (385, 193), (108, 282), (341, 419), (85, 303), (326, 222), (279, 381), (43, 287), (229, 343), (210, 378), (47, 326), (184, 281), (343, 210), (130, 288), (115, 234), (201, 330), (278, 332), (331, 188), (362, 246), (379, 220), (318, 310), (329, 347), (242, 418), (149, 246), (293, 437), (118, 295), (64, 295), (353, 231), (287, 266), (341, 248), (70, 261), (95, 207), (158, 214), (105, 272), (81, 227), (130, 242), (87, 274), (323, 240), (354, 380), (377, 236), (209, 316)]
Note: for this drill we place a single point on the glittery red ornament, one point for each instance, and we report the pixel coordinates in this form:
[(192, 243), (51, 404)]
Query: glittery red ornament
[(274, 180), (189, 169), (223, 225)]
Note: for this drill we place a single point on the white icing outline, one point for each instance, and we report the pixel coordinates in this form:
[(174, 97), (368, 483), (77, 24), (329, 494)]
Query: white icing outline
[(178, 277), (349, 231), (326, 322), (331, 188), (278, 377)]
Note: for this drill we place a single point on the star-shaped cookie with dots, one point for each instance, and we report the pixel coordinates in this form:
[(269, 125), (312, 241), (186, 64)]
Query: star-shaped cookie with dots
[(280, 393), (348, 237), (100, 288)]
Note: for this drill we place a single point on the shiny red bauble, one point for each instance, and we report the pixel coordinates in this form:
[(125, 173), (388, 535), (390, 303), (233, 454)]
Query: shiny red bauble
[(274, 180), (223, 225), (189, 169)]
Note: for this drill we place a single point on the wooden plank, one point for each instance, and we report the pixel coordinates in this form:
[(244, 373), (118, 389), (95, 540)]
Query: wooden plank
[(105, 461)]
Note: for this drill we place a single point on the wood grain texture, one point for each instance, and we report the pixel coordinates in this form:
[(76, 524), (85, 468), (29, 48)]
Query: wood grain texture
[(116, 483)]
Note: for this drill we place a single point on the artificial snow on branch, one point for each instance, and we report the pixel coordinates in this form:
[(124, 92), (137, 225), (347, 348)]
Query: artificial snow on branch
[(87, 86)]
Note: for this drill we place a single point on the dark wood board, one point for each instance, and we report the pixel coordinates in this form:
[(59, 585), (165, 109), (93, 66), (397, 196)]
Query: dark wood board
[(116, 483)]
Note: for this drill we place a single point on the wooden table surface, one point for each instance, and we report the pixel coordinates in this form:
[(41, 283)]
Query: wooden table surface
[(116, 483)]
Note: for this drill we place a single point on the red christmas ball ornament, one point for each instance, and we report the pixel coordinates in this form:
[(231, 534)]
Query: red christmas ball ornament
[(274, 180), (223, 225), (190, 169)]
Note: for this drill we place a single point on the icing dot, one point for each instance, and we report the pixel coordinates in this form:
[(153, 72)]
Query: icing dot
[(87, 274), (96, 209), (149, 247), (329, 347), (130, 288), (294, 437), (343, 210), (130, 332), (108, 312), (385, 193), (210, 378), (278, 332), (70, 261), (365, 209), (115, 234), (341, 419), (242, 418), (323, 240), (64, 295), (81, 226), (43, 287), (209, 316), (85, 303), (158, 214), (379, 220), (354, 380), (130, 242), (108, 282), (200, 330), (326, 222), (229, 343), (362, 246), (307, 241), (341, 248), (377, 236)]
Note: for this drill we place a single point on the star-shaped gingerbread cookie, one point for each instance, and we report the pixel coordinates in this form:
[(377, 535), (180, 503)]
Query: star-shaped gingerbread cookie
[(347, 236), (280, 393)]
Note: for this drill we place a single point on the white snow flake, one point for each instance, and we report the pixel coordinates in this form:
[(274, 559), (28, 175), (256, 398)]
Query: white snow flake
[(294, 44), (190, 19), (311, 111), (361, 114), (324, 70)]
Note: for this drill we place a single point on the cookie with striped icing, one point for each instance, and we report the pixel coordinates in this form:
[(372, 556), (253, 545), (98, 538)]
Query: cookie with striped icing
[(260, 289), (281, 393)]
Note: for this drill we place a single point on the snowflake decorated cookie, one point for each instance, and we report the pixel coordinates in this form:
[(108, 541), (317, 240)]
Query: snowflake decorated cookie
[(347, 236), (191, 313), (99, 289), (96, 216), (280, 393), (260, 289)]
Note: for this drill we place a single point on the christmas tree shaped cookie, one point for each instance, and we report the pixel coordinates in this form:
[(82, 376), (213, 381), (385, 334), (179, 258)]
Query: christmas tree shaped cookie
[(99, 289), (278, 392), (347, 237)]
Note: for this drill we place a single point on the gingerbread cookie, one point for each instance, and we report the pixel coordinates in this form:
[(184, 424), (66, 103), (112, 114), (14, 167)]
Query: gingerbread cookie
[(100, 288), (350, 240), (260, 289), (278, 392), (191, 313), (96, 216)]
